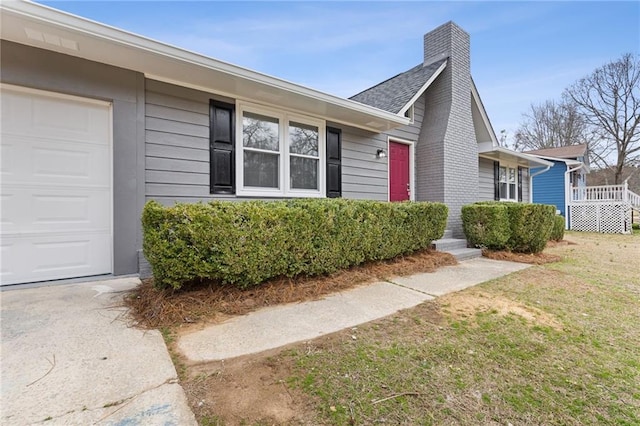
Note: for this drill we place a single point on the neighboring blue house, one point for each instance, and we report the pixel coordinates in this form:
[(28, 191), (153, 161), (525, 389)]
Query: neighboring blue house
[(569, 170)]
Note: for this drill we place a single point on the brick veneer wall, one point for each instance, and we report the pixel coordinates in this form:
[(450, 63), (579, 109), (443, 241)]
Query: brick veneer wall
[(447, 150)]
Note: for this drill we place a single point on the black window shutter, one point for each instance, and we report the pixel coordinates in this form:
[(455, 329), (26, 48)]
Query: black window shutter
[(334, 163), (221, 148), (519, 184), (496, 180)]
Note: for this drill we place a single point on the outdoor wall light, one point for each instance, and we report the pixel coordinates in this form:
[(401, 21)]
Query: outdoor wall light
[(381, 153)]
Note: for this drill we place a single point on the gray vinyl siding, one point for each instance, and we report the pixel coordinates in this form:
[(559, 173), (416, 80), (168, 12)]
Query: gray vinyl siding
[(45, 70), (177, 144), (485, 181), (412, 131), (177, 150), (364, 176)]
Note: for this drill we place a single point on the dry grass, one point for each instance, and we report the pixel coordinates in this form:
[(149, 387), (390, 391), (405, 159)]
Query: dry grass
[(532, 259), (211, 302), (555, 344)]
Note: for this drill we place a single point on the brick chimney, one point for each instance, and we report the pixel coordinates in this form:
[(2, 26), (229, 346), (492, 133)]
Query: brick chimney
[(447, 150)]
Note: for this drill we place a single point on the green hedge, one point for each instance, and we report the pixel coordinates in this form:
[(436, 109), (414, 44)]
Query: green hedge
[(530, 225), (557, 233), (486, 225), (246, 243)]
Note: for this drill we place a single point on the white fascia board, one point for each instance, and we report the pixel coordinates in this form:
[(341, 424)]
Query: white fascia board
[(483, 112), (423, 88), (38, 13), (499, 151)]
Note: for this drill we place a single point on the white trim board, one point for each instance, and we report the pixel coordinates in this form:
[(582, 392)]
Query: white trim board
[(423, 88)]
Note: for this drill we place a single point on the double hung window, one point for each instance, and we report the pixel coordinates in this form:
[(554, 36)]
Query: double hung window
[(279, 154), (508, 183)]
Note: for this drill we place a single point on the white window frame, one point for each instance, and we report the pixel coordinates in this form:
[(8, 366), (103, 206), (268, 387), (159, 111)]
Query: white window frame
[(284, 177), (508, 166)]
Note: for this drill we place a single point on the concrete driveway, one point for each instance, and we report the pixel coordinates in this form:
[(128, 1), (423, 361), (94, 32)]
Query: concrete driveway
[(70, 357)]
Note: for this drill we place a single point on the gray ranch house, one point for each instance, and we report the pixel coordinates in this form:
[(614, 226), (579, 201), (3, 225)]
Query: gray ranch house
[(96, 121)]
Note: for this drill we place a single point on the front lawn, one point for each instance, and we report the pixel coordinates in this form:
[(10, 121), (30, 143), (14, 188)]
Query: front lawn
[(554, 344)]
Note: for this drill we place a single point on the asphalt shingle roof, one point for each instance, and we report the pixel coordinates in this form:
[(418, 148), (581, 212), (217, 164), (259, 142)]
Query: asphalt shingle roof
[(393, 94), (571, 151)]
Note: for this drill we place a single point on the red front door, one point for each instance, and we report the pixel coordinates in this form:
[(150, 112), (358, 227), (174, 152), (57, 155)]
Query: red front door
[(398, 172)]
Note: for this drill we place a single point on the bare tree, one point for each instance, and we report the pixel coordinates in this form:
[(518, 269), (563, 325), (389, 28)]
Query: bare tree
[(552, 124), (609, 100)]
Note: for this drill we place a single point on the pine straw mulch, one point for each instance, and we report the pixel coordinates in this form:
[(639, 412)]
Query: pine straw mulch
[(531, 258), (212, 302)]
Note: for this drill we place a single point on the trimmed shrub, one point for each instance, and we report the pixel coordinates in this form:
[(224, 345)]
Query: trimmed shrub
[(486, 225), (246, 243), (527, 228), (531, 226), (557, 232)]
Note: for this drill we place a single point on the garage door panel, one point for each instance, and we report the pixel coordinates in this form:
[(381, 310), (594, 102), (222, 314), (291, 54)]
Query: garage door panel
[(8, 164), (59, 163), (10, 213), (27, 210), (50, 257), (56, 187), (61, 118), (39, 161)]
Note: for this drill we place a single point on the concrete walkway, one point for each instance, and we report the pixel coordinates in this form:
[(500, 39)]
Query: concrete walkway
[(69, 357), (277, 326)]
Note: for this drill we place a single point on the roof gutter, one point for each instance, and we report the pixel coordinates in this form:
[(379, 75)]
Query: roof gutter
[(567, 161), (531, 176)]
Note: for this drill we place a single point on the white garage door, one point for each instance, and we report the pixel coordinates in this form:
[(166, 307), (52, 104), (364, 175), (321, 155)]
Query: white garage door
[(55, 186)]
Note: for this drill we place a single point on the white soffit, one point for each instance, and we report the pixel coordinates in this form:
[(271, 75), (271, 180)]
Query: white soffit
[(46, 28)]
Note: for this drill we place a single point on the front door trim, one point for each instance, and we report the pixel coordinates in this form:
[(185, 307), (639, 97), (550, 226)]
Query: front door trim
[(412, 183)]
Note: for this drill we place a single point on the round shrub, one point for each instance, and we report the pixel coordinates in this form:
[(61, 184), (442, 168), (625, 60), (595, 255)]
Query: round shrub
[(531, 226), (519, 227), (486, 225)]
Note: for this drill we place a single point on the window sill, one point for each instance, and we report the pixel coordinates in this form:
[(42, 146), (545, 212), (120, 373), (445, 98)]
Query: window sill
[(278, 194)]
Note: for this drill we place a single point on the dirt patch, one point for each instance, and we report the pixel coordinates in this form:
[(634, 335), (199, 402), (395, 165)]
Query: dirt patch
[(211, 302), (531, 258), (561, 243), (246, 390), (465, 305)]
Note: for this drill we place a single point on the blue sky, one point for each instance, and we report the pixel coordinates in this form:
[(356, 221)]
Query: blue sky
[(521, 52)]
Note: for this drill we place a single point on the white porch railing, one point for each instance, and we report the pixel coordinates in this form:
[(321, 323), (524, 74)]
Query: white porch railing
[(605, 193), (606, 208)]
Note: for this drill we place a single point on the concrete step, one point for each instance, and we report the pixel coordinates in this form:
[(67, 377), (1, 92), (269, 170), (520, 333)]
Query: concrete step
[(448, 234), (465, 253), (446, 244)]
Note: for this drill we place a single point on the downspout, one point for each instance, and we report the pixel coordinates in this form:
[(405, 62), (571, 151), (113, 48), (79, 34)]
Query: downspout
[(567, 194), (531, 176)]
